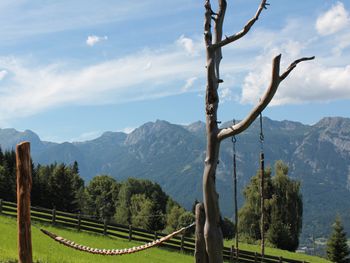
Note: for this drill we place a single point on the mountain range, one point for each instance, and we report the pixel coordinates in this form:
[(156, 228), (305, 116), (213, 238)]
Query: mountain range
[(172, 155)]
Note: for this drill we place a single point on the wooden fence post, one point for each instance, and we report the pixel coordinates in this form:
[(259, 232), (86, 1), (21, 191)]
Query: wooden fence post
[(255, 257), (130, 232), (54, 215), (105, 226), (231, 253), (182, 242), (24, 186), (79, 220), (280, 260), (155, 235), (0, 206)]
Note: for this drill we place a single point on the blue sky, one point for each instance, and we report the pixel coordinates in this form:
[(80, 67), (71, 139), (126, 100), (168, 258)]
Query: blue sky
[(70, 70)]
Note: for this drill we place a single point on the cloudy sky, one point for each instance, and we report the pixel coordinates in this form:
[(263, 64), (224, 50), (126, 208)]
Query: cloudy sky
[(72, 69)]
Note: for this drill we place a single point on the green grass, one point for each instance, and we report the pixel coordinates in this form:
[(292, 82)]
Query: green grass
[(278, 252), (47, 250)]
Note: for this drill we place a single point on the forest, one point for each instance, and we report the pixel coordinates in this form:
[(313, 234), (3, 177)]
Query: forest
[(142, 203)]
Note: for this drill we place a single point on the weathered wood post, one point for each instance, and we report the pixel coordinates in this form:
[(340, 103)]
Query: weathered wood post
[(231, 253), (130, 232), (0, 206), (24, 186), (105, 226), (182, 242), (200, 252), (54, 215), (79, 220)]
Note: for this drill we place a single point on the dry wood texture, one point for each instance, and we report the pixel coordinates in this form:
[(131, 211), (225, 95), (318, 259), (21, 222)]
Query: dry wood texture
[(24, 186), (214, 44)]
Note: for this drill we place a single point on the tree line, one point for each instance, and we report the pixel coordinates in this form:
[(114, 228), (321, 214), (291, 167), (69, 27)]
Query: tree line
[(144, 204), (137, 202)]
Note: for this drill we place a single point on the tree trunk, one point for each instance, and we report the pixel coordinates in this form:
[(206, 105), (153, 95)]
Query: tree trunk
[(24, 185), (212, 227), (200, 252)]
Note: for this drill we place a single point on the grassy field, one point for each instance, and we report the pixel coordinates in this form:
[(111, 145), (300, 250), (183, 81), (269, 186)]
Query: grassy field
[(46, 250), (279, 253)]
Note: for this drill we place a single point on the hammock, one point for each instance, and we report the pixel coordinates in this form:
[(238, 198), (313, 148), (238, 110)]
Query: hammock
[(112, 252)]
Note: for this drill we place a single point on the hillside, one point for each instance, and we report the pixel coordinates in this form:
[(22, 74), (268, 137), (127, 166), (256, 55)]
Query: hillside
[(172, 155), (46, 250)]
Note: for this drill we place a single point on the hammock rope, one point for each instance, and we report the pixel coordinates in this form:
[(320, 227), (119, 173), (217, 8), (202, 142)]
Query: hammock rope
[(113, 252)]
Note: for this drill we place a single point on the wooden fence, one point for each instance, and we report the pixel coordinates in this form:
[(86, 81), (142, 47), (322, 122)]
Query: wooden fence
[(182, 243)]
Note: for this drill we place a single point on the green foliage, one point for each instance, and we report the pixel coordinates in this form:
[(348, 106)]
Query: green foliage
[(101, 193), (337, 248), (141, 209), (228, 228), (286, 210), (186, 219), (283, 209), (8, 175), (172, 222), (57, 185), (141, 203), (249, 214), (156, 203)]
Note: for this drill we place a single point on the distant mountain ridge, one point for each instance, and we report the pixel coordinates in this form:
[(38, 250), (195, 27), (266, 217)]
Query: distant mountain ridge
[(172, 155)]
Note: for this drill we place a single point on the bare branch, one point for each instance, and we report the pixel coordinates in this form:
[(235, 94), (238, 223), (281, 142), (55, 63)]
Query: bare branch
[(293, 65), (265, 100), (245, 29)]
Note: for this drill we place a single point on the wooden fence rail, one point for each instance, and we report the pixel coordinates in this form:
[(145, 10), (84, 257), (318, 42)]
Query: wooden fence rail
[(85, 223)]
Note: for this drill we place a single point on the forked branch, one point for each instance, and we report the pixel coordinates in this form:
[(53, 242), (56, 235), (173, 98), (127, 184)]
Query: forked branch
[(245, 30), (265, 100)]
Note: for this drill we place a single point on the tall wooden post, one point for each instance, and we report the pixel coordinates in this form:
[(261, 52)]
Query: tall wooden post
[(200, 254), (24, 186)]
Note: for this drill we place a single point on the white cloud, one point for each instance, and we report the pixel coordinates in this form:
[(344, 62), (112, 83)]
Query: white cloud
[(115, 81), (128, 130), (310, 81), (3, 74), (189, 45), (22, 18), (189, 84), (86, 136), (93, 40), (334, 20)]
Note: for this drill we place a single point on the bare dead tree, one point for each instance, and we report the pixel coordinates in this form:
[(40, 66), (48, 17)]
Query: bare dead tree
[(214, 43)]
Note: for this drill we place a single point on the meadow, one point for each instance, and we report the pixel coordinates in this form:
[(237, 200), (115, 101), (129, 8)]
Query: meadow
[(46, 250)]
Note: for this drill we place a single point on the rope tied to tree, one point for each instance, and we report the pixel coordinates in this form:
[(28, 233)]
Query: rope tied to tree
[(262, 197), (234, 140), (261, 136), (113, 252)]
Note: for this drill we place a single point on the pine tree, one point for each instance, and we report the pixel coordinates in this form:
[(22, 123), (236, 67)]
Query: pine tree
[(337, 248)]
